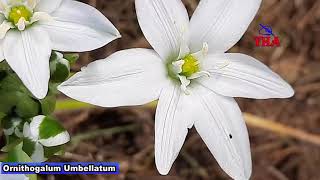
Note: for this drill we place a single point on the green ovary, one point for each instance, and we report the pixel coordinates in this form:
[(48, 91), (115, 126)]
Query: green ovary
[(18, 12), (190, 66)]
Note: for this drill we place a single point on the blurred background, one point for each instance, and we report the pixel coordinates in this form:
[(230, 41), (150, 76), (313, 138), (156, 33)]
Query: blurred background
[(126, 135)]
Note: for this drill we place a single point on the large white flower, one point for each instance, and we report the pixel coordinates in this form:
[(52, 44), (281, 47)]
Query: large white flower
[(194, 80), (30, 29)]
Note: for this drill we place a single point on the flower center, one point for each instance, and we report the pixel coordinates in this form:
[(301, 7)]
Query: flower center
[(19, 12), (190, 66)]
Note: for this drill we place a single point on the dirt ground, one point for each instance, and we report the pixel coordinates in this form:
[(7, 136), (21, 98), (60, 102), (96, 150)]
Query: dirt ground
[(296, 22)]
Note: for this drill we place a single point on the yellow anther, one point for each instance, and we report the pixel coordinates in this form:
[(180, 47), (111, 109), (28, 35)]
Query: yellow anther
[(19, 12), (190, 66)]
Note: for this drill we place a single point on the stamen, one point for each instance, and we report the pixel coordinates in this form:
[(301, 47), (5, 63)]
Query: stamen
[(184, 84), (19, 12), (200, 55), (199, 74), (22, 23), (190, 66), (177, 66), (32, 3)]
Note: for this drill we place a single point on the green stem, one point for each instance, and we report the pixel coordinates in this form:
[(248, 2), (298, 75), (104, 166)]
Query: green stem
[(68, 105), (103, 132)]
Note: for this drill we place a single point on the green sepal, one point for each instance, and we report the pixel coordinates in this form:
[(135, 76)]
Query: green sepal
[(60, 72), (28, 146), (59, 67), (50, 127), (71, 57)]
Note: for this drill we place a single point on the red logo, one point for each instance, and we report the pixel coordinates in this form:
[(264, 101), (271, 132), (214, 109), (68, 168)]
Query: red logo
[(266, 37)]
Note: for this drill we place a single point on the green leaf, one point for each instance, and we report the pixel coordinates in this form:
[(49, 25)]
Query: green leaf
[(11, 146), (50, 127), (48, 104), (2, 116), (3, 74), (71, 57), (27, 107), (4, 66), (12, 83), (8, 101), (18, 155)]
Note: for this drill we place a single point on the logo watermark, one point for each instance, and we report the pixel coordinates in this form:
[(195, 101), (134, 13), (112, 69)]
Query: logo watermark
[(61, 168), (266, 37)]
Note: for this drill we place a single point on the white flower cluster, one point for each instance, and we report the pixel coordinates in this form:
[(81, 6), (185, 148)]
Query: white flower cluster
[(188, 71)]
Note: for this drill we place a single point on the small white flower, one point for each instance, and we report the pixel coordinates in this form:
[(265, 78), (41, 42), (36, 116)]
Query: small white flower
[(191, 75), (42, 132), (30, 29), (14, 128)]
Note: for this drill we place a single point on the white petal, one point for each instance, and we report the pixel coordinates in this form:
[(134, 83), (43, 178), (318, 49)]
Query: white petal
[(27, 131), (1, 51), (165, 24), (239, 75), (173, 118), (32, 3), (79, 27), (4, 28), (129, 77), (34, 126), (41, 16), (221, 126), (57, 140), (221, 23), (28, 52), (48, 6), (38, 154)]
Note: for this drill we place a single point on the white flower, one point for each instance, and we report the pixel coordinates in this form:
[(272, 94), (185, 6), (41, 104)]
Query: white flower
[(30, 29), (191, 75)]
